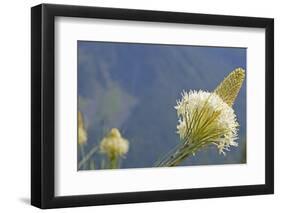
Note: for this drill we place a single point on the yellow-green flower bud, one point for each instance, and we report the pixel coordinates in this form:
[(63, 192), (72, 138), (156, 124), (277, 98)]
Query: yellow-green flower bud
[(229, 88), (82, 134)]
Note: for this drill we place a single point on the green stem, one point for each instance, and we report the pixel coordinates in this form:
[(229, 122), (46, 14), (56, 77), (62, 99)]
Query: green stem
[(167, 155), (87, 157), (113, 162), (82, 151), (180, 154)]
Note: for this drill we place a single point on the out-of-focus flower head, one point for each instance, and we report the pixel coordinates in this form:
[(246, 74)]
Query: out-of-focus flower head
[(82, 133), (113, 144)]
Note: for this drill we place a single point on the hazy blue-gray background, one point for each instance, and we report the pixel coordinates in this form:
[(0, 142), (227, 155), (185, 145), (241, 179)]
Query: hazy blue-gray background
[(134, 87)]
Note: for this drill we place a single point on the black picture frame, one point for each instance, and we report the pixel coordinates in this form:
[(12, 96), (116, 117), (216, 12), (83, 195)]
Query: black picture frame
[(43, 102)]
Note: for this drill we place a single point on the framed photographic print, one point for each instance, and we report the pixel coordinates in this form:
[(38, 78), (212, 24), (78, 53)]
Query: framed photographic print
[(140, 106)]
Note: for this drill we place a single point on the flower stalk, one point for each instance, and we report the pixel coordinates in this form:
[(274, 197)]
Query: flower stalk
[(87, 156)]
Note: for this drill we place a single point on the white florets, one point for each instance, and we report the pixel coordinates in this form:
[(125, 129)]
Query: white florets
[(196, 111)]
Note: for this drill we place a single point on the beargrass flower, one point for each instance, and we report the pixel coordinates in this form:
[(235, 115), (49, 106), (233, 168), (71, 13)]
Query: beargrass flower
[(114, 146), (82, 133), (206, 118)]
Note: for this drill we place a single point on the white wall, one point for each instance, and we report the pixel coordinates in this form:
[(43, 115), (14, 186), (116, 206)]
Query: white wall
[(15, 104)]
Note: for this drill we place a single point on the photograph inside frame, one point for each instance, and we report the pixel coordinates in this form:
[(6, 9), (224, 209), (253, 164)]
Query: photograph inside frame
[(160, 105)]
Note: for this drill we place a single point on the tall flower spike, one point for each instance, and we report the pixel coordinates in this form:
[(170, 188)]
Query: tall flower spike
[(229, 88), (206, 118)]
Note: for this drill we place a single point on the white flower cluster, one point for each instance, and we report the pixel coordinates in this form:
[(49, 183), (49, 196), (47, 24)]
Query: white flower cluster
[(206, 119)]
